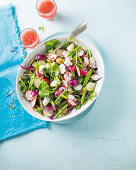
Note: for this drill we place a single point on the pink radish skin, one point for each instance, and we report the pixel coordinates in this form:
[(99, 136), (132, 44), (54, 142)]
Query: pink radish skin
[(81, 53), (86, 61), (38, 73), (95, 77), (59, 52), (62, 68), (61, 89), (28, 95), (33, 102), (71, 102), (82, 72)]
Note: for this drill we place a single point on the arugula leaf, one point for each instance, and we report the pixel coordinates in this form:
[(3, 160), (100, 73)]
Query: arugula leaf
[(41, 28), (87, 77), (51, 45), (55, 67)]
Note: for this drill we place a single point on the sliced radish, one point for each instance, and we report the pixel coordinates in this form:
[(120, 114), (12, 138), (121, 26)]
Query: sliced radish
[(73, 68), (65, 53), (70, 47), (71, 97), (78, 87), (41, 67), (67, 62), (53, 57), (45, 79), (54, 83), (90, 86), (95, 77), (38, 73), (61, 89), (78, 71), (47, 112), (57, 93), (67, 76), (86, 61), (83, 72), (28, 95), (65, 83), (34, 64), (62, 68), (71, 102), (33, 102), (45, 101), (59, 52), (81, 53), (37, 81)]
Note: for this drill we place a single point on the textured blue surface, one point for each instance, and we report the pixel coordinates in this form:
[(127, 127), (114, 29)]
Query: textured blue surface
[(12, 121), (105, 139)]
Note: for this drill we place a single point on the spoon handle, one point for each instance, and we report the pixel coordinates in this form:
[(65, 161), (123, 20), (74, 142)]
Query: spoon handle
[(79, 29)]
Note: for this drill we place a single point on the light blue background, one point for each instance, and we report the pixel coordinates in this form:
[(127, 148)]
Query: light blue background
[(105, 139)]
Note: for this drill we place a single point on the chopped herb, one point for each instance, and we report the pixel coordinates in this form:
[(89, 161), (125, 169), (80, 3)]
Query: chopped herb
[(41, 28)]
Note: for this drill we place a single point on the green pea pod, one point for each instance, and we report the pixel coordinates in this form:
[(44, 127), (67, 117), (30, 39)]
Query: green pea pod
[(83, 98), (60, 97), (87, 77), (60, 111)]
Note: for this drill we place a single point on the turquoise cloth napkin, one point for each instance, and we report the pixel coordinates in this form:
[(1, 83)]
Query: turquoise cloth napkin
[(14, 119)]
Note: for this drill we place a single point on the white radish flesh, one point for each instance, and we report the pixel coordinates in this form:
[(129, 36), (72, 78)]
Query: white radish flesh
[(67, 62), (37, 81), (67, 76), (41, 67), (28, 95), (65, 53), (81, 52), (71, 97), (62, 68), (47, 65), (78, 87), (71, 102), (90, 86), (95, 77), (54, 83), (53, 57), (45, 101), (65, 83), (59, 52), (33, 102), (86, 61), (70, 47)]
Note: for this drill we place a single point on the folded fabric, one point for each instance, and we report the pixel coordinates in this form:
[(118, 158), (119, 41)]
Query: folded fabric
[(14, 119)]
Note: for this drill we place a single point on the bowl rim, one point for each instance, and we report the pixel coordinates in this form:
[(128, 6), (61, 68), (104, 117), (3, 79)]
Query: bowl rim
[(79, 111)]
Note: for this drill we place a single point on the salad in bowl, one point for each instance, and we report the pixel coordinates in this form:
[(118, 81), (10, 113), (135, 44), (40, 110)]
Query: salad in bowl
[(56, 83)]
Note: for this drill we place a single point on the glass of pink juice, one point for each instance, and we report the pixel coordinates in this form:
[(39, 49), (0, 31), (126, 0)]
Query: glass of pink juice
[(46, 8), (29, 38)]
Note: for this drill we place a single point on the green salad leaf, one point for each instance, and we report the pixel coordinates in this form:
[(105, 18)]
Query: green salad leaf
[(51, 45), (43, 89)]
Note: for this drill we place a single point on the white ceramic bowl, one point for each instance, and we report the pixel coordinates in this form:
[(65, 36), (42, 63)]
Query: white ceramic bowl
[(40, 49)]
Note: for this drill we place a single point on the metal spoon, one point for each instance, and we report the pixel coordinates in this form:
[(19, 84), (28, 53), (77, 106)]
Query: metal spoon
[(78, 30)]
